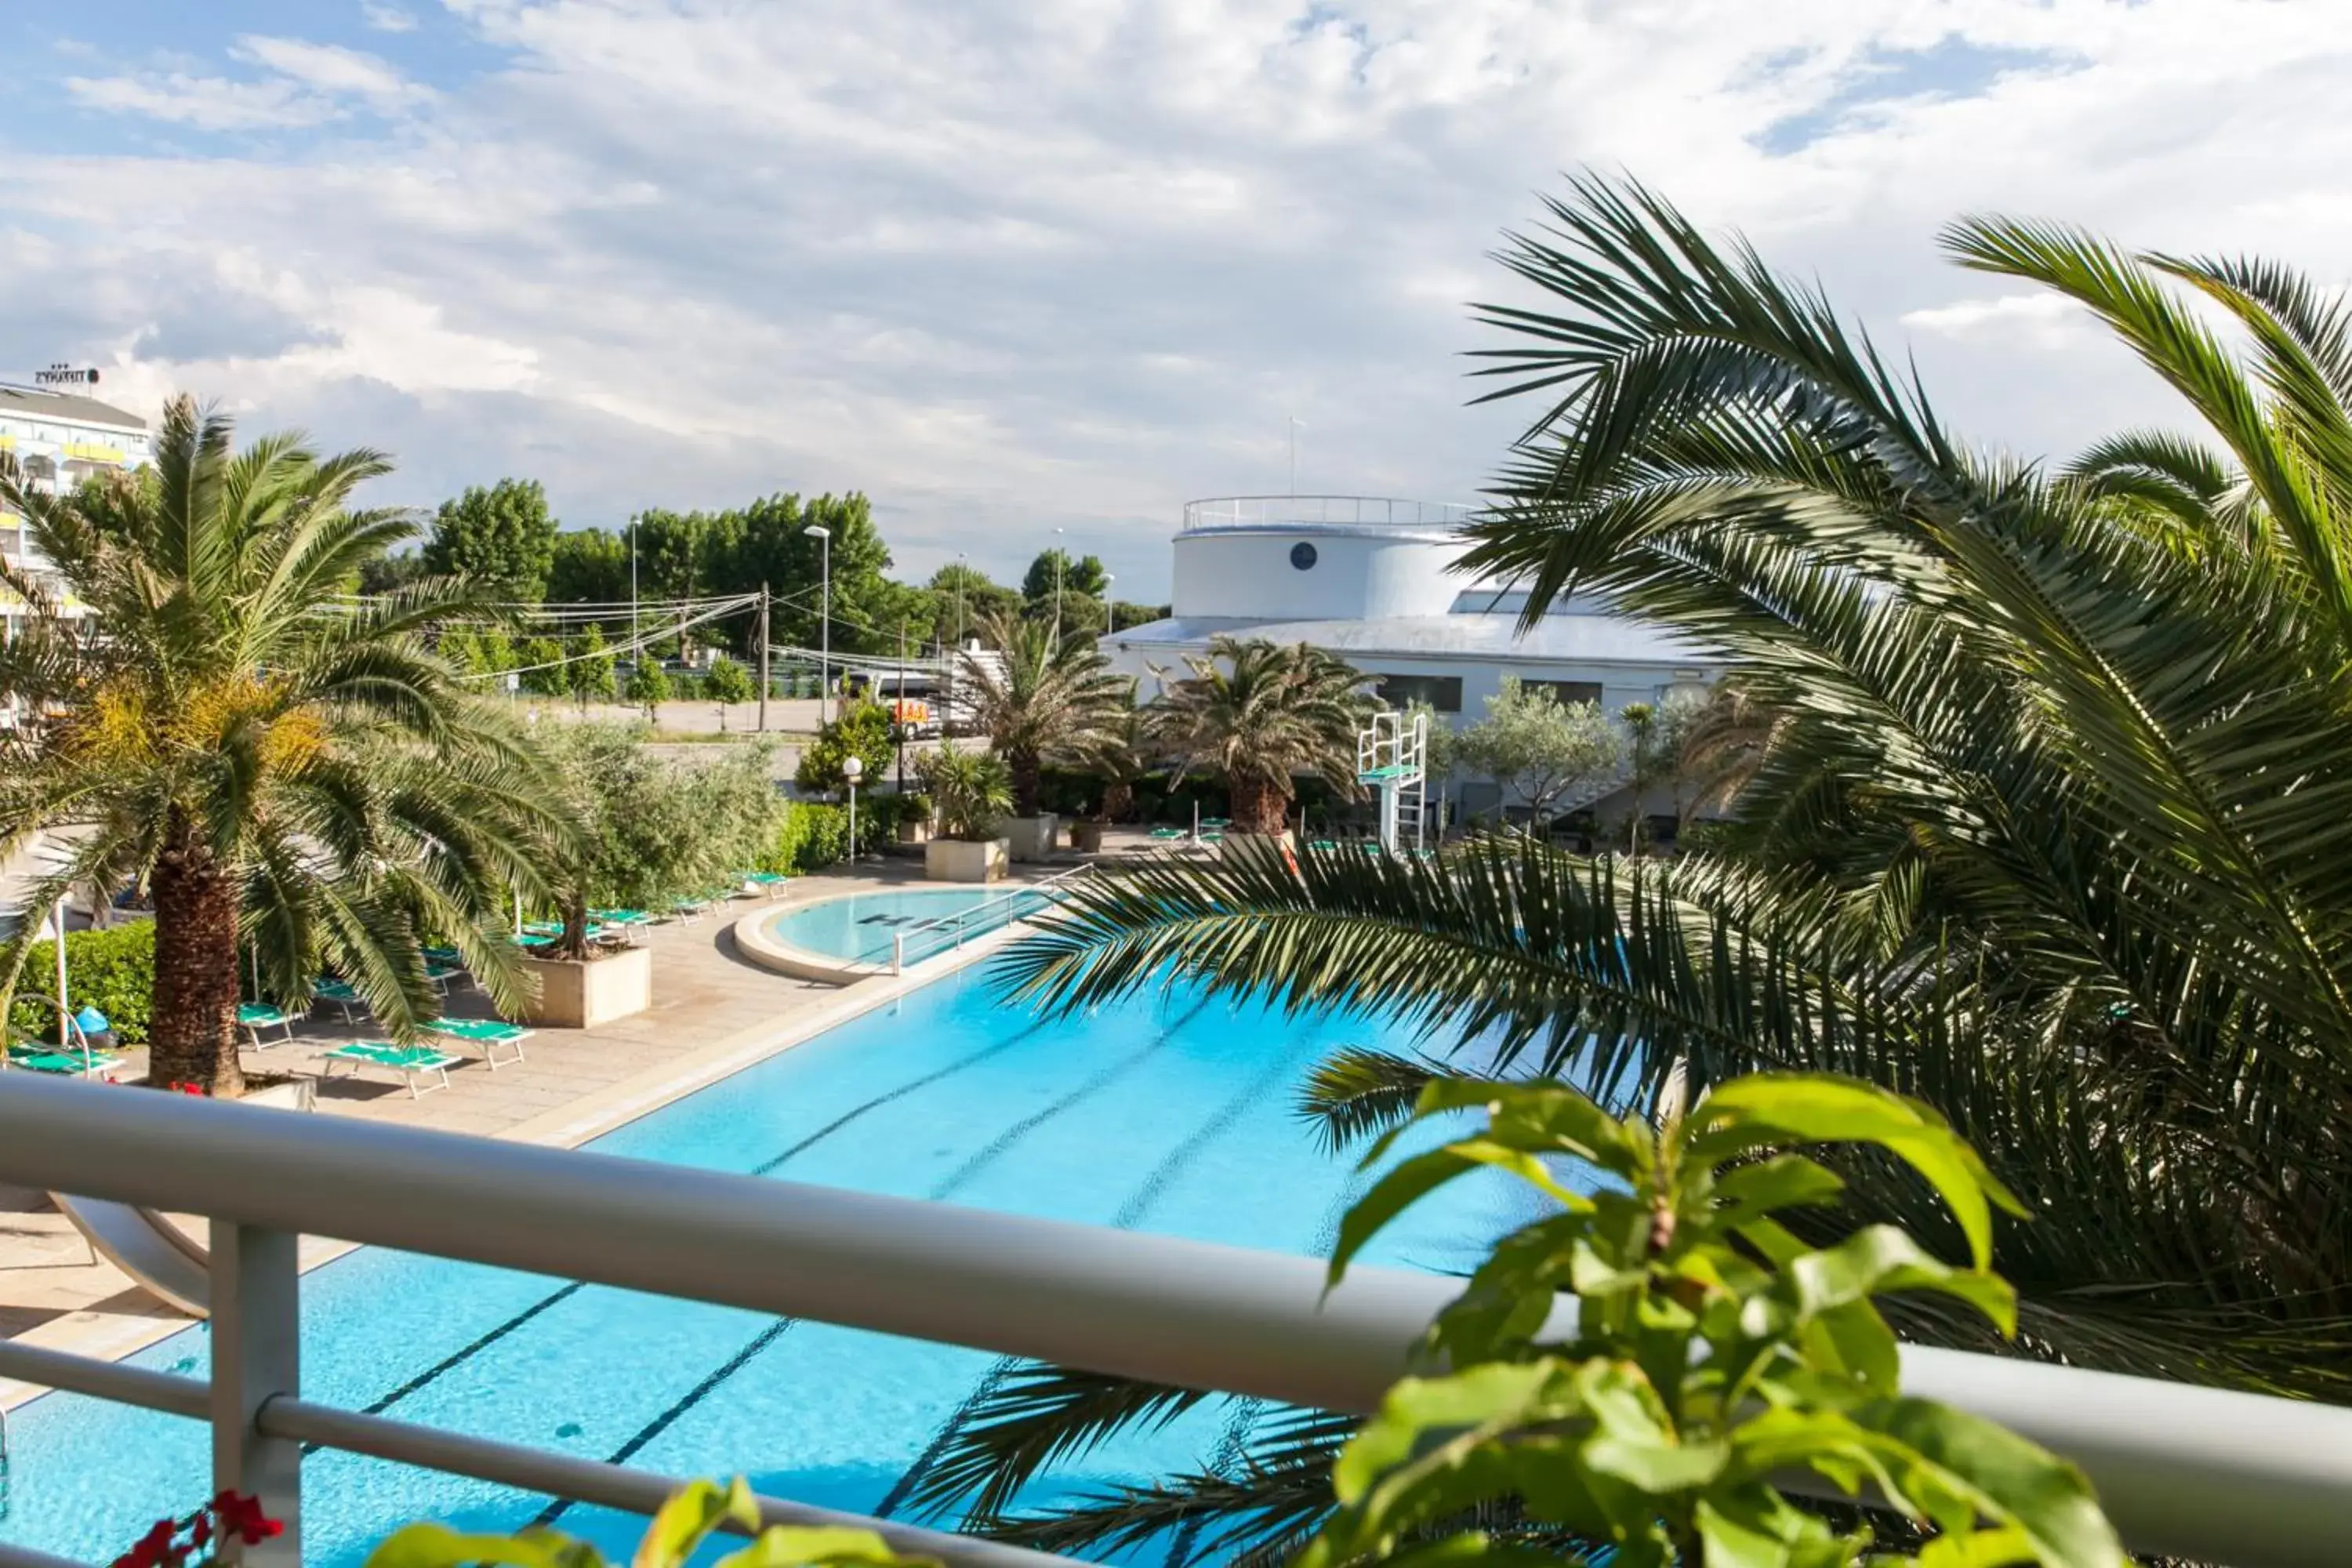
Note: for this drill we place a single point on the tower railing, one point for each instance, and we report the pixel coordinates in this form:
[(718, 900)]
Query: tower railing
[(1358, 511)]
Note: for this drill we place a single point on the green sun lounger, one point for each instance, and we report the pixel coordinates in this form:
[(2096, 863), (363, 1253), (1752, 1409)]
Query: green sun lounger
[(443, 955), (341, 995), (769, 883), (1168, 833), (441, 976), (254, 1016), (531, 938), (63, 1061), (411, 1062), (491, 1034)]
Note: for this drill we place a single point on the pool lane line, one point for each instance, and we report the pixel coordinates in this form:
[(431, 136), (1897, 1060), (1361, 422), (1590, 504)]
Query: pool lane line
[(557, 1508), (1139, 1204), (458, 1358), (994, 1150)]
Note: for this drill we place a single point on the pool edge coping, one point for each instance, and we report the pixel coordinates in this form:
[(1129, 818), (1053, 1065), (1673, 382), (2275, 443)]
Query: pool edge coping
[(116, 1336)]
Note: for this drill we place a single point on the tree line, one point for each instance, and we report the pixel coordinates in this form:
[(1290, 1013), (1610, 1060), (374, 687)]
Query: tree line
[(506, 534)]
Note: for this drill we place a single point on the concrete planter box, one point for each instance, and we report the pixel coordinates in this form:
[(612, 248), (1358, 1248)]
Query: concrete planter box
[(1086, 837), (965, 859), (914, 830), (1032, 838), (297, 1094), (575, 993)]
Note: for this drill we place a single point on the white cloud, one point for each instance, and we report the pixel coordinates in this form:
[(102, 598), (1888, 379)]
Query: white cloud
[(1965, 318), (308, 84), (1022, 263), (387, 19)]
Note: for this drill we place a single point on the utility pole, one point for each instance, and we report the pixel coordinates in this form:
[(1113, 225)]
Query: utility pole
[(764, 659)]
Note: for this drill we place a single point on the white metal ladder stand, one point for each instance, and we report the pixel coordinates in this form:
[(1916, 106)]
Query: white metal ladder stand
[(1392, 757)]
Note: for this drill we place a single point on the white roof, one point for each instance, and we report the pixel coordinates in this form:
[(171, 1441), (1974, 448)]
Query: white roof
[(1560, 639)]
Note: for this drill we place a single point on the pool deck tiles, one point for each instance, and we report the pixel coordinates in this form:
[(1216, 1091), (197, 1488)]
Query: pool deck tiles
[(714, 1013)]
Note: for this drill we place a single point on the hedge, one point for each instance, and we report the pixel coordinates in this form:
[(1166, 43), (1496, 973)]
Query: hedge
[(113, 971)]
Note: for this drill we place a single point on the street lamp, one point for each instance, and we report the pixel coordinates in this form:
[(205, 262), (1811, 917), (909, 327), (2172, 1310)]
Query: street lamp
[(1061, 557), (963, 561), (1110, 619), (824, 623), (851, 767)]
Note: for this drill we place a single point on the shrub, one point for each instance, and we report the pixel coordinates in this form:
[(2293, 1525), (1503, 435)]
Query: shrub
[(972, 790), (112, 971), (544, 673), (862, 729), (1713, 1355), (813, 836), (729, 682), (685, 1524), (648, 685)]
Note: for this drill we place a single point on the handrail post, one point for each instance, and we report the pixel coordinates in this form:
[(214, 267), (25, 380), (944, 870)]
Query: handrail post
[(256, 1355), (897, 952)]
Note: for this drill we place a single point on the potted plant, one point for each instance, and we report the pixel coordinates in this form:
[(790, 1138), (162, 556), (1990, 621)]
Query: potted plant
[(1040, 698), (914, 818), (969, 793), (1256, 714)]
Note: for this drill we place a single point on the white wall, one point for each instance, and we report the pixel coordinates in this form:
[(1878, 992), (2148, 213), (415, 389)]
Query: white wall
[(1357, 576)]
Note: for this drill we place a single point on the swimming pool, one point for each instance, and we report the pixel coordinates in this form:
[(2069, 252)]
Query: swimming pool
[(1171, 1113), (860, 927)]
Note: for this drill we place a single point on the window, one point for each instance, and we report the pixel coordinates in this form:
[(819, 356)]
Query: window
[(1568, 692), (1302, 556), (1442, 692)]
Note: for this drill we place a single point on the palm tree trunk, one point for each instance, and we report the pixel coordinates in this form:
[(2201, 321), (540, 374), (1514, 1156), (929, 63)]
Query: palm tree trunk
[(1258, 806), (1028, 784), (191, 1036), (1119, 802)]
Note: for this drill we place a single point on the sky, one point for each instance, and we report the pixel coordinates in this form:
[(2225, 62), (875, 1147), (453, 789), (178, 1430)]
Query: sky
[(1010, 266)]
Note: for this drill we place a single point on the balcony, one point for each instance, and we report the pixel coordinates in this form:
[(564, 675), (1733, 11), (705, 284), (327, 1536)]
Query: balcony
[(2217, 1477)]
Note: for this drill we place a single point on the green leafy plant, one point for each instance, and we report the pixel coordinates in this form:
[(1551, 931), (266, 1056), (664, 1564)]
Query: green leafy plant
[(649, 684), (1714, 1355), (112, 971), (686, 1520), (1257, 714), (970, 791), (1539, 747), (727, 681), (862, 730)]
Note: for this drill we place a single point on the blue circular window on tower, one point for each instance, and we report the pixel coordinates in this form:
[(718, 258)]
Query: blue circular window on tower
[(1302, 555)]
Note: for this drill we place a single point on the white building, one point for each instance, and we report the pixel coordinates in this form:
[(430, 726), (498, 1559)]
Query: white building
[(1371, 580), (58, 439)]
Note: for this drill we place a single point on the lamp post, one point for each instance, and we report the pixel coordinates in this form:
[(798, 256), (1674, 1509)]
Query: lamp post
[(1111, 621), (851, 766), (965, 560), (824, 628)]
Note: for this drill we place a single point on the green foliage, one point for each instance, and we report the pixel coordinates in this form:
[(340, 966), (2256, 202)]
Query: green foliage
[(1072, 575), (1257, 714), (112, 971), (502, 537), (862, 730), (544, 673), (1042, 701), (1124, 615), (727, 681), (649, 684), (686, 1521), (1536, 746), (971, 791), (1714, 1352), (812, 836), (588, 566), (964, 600), (277, 766), (389, 574), (588, 676), (655, 828)]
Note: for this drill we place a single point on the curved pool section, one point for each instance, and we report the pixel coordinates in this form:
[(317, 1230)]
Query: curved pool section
[(1172, 1112), (851, 936)]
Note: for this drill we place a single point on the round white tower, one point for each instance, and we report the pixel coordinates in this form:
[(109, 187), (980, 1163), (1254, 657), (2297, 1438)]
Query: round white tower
[(1301, 558)]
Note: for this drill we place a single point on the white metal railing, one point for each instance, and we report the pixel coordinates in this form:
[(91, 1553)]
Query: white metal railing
[(1360, 511), (952, 931), (2200, 1473)]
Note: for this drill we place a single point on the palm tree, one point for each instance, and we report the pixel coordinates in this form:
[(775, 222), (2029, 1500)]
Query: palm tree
[(2051, 826), (1258, 714), (277, 765), (1041, 698)]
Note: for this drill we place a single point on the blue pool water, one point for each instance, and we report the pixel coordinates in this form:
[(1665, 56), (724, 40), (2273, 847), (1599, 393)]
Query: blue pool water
[(1170, 1114), (860, 926)]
